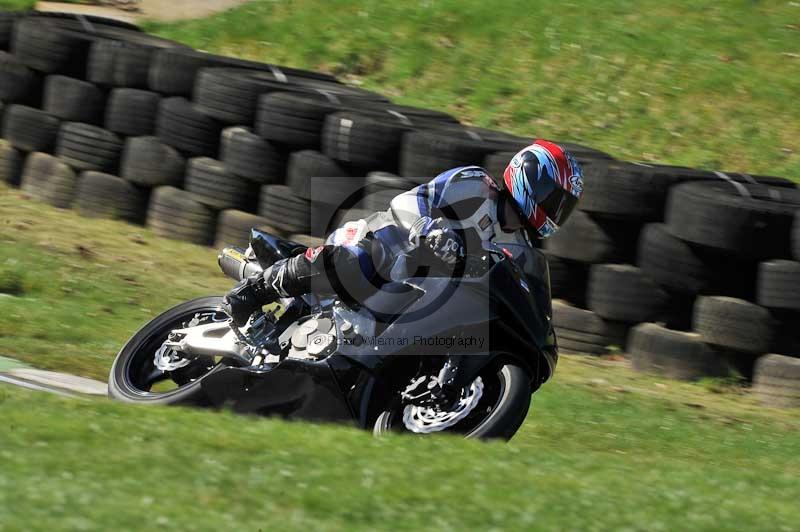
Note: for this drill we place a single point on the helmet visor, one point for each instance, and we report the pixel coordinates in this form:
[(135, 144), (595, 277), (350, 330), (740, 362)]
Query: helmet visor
[(557, 204)]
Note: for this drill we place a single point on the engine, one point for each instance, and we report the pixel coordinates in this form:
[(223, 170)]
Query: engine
[(313, 338)]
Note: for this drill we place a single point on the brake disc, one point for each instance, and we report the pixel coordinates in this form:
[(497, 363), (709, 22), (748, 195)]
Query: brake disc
[(424, 420)]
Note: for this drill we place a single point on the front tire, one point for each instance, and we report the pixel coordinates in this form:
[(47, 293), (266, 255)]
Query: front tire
[(500, 411), (134, 376)]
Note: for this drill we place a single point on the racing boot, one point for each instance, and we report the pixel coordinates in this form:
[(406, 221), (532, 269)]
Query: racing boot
[(286, 278)]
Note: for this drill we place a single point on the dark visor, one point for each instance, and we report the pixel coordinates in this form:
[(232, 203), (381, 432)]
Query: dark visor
[(557, 205)]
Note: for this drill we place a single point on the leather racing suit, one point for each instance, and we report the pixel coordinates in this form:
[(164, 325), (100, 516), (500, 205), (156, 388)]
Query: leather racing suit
[(358, 257)]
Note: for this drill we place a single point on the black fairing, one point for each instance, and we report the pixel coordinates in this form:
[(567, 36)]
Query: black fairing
[(509, 307)]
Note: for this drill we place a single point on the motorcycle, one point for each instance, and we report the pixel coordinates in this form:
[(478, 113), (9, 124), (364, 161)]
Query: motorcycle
[(426, 353)]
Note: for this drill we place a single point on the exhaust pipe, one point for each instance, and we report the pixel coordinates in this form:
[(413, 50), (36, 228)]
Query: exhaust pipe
[(234, 264)]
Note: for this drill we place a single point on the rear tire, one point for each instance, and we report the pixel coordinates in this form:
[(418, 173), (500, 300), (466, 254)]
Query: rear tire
[(136, 356)]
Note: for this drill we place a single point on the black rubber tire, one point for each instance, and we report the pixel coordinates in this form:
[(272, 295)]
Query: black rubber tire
[(148, 161), (673, 354), (734, 323), (231, 94), (428, 153), (752, 221), (380, 188), (49, 179), (132, 112), (506, 416), (18, 83), (363, 141), (102, 195), (294, 119), (778, 285), (283, 210), (233, 228), (7, 21), (585, 238), (777, 381), (37, 167), (11, 162), (29, 129), (183, 127), (673, 263), (247, 155), (121, 64), (568, 279), (73, 100), (623, 292), (62, 46), (307, 171), (173, 71), (121, 389), (583, 331), (796, 236), (51, 46), (176, 214), (86, 147), (582, 152), (495, 164), (213, 186), (624, 190)]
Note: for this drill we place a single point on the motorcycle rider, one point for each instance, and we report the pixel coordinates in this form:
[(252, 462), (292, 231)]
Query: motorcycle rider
[(458, 209)]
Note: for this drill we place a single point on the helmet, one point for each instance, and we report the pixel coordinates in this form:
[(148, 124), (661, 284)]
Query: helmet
[(545, 182)]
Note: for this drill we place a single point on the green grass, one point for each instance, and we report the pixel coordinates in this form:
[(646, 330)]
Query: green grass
[(711, 85), (603, 447), (17, 5), (591, 457), (72, 290)]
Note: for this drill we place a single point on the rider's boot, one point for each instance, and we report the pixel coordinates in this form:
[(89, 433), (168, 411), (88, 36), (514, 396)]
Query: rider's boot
[(286, 278)]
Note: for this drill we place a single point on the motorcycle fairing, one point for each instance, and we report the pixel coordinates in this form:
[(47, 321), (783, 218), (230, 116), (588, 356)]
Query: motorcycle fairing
[(361, 376)]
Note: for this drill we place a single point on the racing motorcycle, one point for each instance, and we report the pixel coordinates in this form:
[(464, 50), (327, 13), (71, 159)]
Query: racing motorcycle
[(426, 353)]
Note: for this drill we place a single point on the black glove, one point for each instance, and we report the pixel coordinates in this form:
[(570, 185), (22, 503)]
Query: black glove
[(446, 245), (247, 297)]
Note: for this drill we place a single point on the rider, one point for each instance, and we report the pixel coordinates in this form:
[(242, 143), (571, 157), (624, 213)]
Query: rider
[(457, 209)]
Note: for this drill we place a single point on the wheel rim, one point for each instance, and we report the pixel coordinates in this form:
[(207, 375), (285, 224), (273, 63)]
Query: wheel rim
[(476, 404), (424, 420), (142, 377)]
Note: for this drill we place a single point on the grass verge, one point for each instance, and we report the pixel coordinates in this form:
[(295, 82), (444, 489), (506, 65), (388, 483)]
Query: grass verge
[(73, 290), (589, 458)]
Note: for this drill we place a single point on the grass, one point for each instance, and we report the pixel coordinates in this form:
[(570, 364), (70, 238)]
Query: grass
[(603, 448), (72, 291), (710, 85), (591, 457), (17, 5)]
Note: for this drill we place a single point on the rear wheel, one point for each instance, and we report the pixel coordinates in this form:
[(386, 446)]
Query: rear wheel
[(135, 377), (494, 405)]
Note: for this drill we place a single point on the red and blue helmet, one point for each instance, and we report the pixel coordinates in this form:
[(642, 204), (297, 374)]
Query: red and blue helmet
[(546, 183)]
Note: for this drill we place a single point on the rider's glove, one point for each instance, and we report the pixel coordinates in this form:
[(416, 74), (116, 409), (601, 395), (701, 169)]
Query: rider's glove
[(440, 239), (246, 297)]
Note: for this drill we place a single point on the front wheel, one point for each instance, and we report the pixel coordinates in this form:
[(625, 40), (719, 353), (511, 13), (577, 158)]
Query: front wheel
[(136, 378), (494, 405)]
